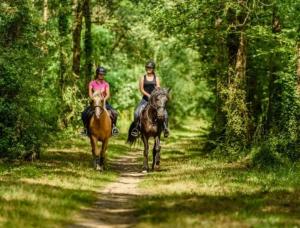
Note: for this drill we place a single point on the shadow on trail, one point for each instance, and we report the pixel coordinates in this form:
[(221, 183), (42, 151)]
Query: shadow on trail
[(259, 205), (111, 210), (114, 206), (48, 191), (197, 190)]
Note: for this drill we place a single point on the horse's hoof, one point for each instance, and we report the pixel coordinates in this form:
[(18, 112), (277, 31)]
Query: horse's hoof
[(98, 167), (157, 167), (145, 171)]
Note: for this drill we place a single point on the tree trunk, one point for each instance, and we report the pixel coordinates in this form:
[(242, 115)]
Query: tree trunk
[(298, 68), (235, 104), (241, 60), (237, 110), (77, 27), (220, 83), (87, 43), (274, 90), (45, 11), (298, 92), (63, 28), (45, 21)]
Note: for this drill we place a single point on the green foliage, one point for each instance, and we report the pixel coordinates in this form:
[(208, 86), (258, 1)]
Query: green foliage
[(195, 46), (23, 126), (264, 103)]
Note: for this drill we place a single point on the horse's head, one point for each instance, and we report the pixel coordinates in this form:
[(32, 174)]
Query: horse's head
[(158, 100), (98, 104)]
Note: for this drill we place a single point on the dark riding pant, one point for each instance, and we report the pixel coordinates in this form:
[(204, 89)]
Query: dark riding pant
[(89, 111), (141, 107), (113, 113)]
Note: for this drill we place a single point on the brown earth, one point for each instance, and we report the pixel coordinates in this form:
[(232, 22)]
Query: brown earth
[(114, 207)]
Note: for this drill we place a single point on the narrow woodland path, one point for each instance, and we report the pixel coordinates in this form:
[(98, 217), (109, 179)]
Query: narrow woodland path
[(114, 205)]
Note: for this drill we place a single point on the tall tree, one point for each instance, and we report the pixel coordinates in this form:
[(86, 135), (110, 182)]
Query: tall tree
[(237, 126), (63, 28), (87, 42), (274, 89), (77, 27), (298, 67)]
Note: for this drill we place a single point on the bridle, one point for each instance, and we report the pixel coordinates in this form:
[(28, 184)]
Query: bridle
[(100, 106), (155, 107)]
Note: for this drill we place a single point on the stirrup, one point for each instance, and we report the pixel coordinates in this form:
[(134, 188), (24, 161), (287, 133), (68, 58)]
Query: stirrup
[(115, 131), (135, 132)]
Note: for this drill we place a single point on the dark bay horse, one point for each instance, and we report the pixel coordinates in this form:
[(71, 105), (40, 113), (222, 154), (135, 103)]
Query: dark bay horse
[(151, 125), (100, 127)]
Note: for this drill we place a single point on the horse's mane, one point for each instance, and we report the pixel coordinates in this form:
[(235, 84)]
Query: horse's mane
[(97, 93), (159, 91)]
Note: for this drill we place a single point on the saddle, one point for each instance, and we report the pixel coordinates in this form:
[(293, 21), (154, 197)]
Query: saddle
[(90, 112)]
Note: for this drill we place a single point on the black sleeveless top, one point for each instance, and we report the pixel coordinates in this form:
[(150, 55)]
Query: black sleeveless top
[(149, 86)]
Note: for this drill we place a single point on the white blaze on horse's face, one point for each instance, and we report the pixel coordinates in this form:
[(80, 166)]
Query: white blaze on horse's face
[(98, 104)]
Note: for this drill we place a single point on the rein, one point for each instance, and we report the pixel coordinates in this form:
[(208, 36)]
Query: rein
[(102, 108), (147, 112), (147, 115)]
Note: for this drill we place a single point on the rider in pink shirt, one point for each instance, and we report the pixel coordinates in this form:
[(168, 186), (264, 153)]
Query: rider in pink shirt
[(103, 86), (99, 84)]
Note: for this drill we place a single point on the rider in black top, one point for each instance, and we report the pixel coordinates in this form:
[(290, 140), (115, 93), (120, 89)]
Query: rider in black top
[(146, 85), (149, 86)]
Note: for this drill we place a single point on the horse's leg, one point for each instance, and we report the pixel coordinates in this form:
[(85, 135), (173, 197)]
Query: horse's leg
[(95, 152), (102, 154), (157, 152), (153, 161), (154, 152), (146, 149)]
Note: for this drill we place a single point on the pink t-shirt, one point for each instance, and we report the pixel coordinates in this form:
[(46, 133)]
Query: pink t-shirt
[(102, 86)]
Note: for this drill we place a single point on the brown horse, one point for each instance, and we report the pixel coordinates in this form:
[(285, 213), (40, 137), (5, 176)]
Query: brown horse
[(100, 127), (151, 125)]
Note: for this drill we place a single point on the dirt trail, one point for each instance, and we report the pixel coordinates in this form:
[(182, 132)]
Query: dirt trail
[(114, 207)]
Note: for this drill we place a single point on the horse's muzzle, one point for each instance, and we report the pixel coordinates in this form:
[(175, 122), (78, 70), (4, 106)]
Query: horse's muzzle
[(161, 117), (161, 113)]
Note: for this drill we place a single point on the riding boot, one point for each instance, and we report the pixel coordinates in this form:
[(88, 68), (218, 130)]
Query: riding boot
[(114, 116), (135, 130), (166, 129), (86, 116), (114, 130)]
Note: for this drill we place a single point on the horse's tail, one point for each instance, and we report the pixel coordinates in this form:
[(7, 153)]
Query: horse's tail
[(130, 138)]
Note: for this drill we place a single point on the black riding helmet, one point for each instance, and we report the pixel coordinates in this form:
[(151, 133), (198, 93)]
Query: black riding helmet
[(100, 70), (150, 64)]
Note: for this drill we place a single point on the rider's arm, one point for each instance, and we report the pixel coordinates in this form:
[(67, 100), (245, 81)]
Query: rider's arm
[(107, 92), (157, 82), (90, 92), (142, 87)]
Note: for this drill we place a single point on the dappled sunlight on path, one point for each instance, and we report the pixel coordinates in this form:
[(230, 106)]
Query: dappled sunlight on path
[(114, 207)]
